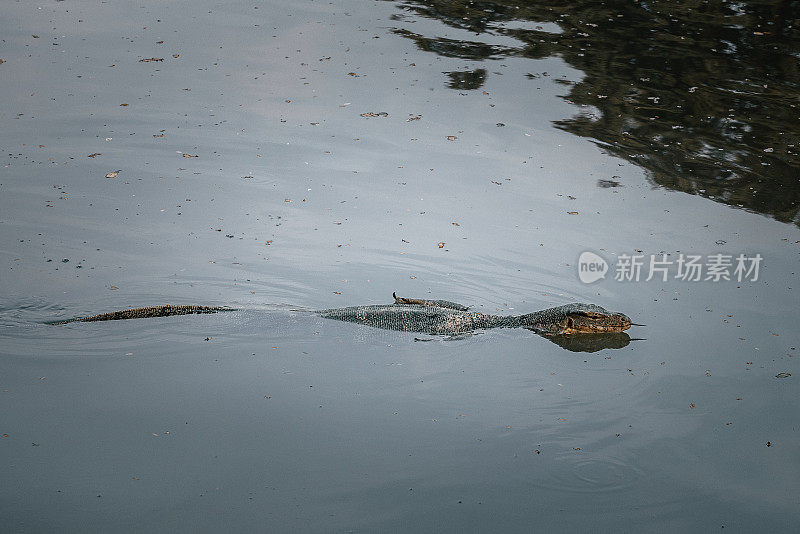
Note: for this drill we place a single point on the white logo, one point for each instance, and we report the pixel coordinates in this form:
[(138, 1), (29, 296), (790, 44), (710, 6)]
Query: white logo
[(591, 267)]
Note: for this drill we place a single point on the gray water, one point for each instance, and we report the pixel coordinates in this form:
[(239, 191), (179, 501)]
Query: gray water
[(272, 419)]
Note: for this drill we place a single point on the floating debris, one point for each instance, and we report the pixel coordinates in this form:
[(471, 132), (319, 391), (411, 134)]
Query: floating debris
[(379, 114), (113, 174), (148, 60), (605, 184)]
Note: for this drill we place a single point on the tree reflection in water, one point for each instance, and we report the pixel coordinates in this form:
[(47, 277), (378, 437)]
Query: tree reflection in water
[(704, 95)]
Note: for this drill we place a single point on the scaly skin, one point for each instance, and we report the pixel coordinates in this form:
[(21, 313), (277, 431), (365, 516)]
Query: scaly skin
[(428, 317), (144, 313), (436, 319)]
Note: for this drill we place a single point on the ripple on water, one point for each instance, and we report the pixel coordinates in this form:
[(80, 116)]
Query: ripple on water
[(24, 330), (597, 474), (16, 313)]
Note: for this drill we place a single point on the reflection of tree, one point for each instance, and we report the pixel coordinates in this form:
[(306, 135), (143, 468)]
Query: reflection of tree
[(453, 48), (705, 95), (469, 79)]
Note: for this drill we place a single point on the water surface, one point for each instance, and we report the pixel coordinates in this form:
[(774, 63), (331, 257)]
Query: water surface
[(278, 157)]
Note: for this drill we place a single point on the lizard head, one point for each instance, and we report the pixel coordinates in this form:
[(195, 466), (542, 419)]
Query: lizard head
[(594, 322), (577, 319)]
